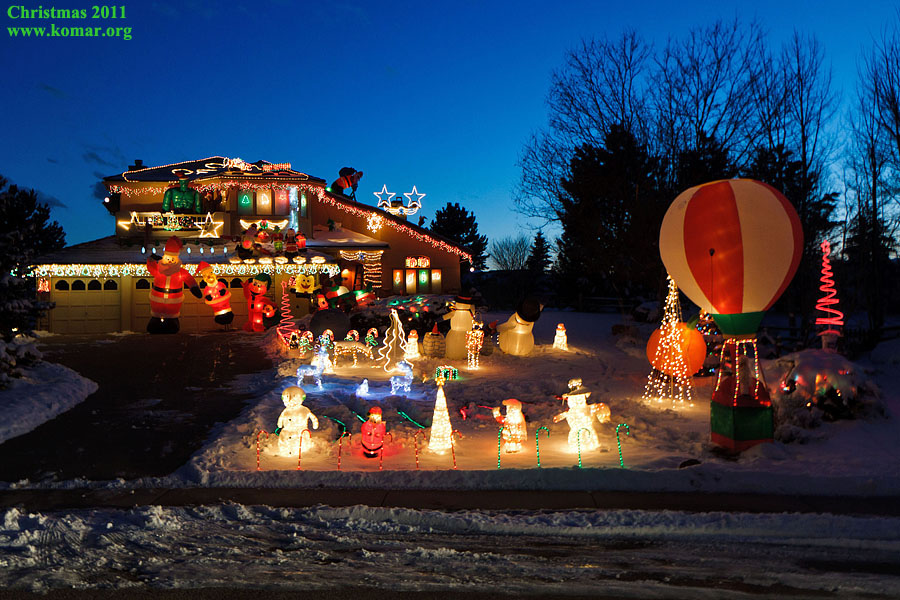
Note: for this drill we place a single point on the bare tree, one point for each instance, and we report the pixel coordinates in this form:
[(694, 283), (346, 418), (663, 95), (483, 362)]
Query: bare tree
[(704, 88), (881, 76), (510, 253)]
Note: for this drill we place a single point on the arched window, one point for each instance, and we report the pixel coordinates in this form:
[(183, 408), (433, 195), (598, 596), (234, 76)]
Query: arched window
[(223, 282), (62, 285), (93, 284), (110, 284), (236, 282), (142, 284), (78, 285)]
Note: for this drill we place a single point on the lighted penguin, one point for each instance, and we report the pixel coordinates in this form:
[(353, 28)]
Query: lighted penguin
[(293, 420), (516, 336), (461, 317), (513, 422), (580, 417), (167, 292)]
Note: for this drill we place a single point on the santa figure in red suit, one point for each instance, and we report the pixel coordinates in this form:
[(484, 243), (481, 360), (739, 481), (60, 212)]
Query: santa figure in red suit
[(258, 306), (167, 292), (373, 431), (215, 293)]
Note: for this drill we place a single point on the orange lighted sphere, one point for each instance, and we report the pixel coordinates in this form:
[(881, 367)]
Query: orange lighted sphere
[(693, 351)]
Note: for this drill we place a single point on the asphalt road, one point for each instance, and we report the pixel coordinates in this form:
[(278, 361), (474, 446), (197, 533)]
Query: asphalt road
[(159, 397)]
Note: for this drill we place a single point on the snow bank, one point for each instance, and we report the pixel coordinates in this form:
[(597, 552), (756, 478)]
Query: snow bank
[(44, 391)]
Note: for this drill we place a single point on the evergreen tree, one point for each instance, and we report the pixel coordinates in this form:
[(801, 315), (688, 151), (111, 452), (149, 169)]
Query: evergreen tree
[(539, 259), (613, 202), (25, 234), (706, 162), (457, 224)]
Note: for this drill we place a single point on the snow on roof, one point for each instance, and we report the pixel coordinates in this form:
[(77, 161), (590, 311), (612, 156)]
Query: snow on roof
[(212, 167)]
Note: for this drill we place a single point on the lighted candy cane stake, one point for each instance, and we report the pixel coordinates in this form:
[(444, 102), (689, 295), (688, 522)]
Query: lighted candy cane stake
[(381, 454), (300, 446), (537, 443), (499, 440), (341, 445), (416, 443), (627, 432), (456, 433), (257, 446), (578, 436)]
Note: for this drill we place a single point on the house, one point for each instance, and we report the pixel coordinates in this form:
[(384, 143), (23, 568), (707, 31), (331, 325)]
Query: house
[(234, 215)]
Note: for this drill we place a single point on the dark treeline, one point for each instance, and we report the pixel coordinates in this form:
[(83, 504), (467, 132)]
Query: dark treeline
[(631, 126)]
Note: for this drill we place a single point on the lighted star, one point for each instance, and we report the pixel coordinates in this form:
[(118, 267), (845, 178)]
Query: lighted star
[(382, 202), (413, 205), (210, 228)]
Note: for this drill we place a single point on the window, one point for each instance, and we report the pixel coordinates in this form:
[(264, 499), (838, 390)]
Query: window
[(436, 287), (142, 284), (264, 202), (245, 202), (62, 285), (78, 285), (223, 282), (109, 284), (236, 282), (282, 202), (398, 281), (93, 284)]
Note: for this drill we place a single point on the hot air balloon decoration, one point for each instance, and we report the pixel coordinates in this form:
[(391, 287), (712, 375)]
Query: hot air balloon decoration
[(732, 247)]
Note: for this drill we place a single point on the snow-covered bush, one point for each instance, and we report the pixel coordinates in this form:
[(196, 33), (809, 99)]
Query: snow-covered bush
[(16, 355)]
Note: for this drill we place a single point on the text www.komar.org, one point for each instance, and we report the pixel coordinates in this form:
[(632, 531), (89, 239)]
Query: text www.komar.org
[(30, 15)]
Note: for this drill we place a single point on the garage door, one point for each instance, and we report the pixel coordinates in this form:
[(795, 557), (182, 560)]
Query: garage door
[(85, 305), (196, 316)]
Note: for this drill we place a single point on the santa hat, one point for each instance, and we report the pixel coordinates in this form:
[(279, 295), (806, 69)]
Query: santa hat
[(173, 247), (264, 278), (512, 402), (375, 410), (201, 267)]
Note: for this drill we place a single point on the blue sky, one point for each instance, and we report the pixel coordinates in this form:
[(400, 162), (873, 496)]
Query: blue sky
[(440, 95)]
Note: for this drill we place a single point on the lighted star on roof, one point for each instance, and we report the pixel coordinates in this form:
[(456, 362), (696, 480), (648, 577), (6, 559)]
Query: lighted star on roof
[(413, 205), (384, 203)]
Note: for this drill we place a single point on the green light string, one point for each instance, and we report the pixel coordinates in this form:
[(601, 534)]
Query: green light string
[(578, 437), (499, 432), (619, 442), (358, 416), (339, 422), (537, 443), (407, 417)]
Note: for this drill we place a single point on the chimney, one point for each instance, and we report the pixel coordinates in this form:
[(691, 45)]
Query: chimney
[(138, 164)]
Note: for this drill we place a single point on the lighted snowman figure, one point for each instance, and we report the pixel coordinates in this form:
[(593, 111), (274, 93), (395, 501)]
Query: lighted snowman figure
[(580, 417), (559, 340), (294, 419), (412, 346), (514, 428), (461, 317), (515, 336)]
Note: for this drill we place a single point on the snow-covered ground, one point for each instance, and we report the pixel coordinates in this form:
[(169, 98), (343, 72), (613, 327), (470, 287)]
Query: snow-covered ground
[(596, 554), (44, 391)]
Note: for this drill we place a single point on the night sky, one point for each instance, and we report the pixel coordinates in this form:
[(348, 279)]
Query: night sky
[(440, 95)]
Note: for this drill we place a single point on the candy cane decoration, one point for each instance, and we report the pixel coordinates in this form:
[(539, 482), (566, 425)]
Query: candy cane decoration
[(307, 341), (330, 334), (452, 447), (372, 336), (381, 454), (257, 446), (578, 436), (416, 444), (341, 445), (627, 432), (300, 446), (499, 439), (352, 336), (537, 443)]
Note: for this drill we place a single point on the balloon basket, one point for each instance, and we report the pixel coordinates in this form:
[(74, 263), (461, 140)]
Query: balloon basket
[(740, 413)]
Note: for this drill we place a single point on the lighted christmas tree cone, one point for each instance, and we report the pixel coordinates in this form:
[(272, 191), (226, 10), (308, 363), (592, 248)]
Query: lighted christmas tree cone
[(441, 429), (732, 247), (833, 319)]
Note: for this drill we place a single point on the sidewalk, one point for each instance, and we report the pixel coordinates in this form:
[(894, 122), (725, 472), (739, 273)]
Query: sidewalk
[(450, 500)]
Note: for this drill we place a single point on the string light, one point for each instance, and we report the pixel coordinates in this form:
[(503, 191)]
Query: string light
[(264, 224), (287, 329), (678, 386), (499, 439), (348, 435), (374, 223), (578, 437), (474, 341), (446, 372), (825, 303), (537, 443), (352, 348), (559, 340), (257, 445), (403, 381), (439, 437), (140, 269), (371, 264), (619, 442)]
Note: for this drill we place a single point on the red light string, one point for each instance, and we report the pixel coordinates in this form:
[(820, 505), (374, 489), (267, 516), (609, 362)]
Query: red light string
[(453, 447), (826, 302), (341, 445), (300, 445)]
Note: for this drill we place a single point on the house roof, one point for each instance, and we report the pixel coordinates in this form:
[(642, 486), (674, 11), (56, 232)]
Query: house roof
[(344, 238), (211, 168)]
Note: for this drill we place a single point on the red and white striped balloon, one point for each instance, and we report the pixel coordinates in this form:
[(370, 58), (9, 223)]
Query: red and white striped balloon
[(732, 246)]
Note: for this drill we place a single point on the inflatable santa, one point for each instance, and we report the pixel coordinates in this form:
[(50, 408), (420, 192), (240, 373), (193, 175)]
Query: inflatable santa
[(215, 293), (167, 292)]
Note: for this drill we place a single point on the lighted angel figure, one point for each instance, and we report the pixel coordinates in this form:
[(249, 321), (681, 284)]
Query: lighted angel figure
[(580, 417), (514, 428), (294, 419)]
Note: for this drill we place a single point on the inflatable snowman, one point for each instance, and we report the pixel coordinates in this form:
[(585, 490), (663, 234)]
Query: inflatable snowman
[(515, 336), (461, 317), (294, 419)]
